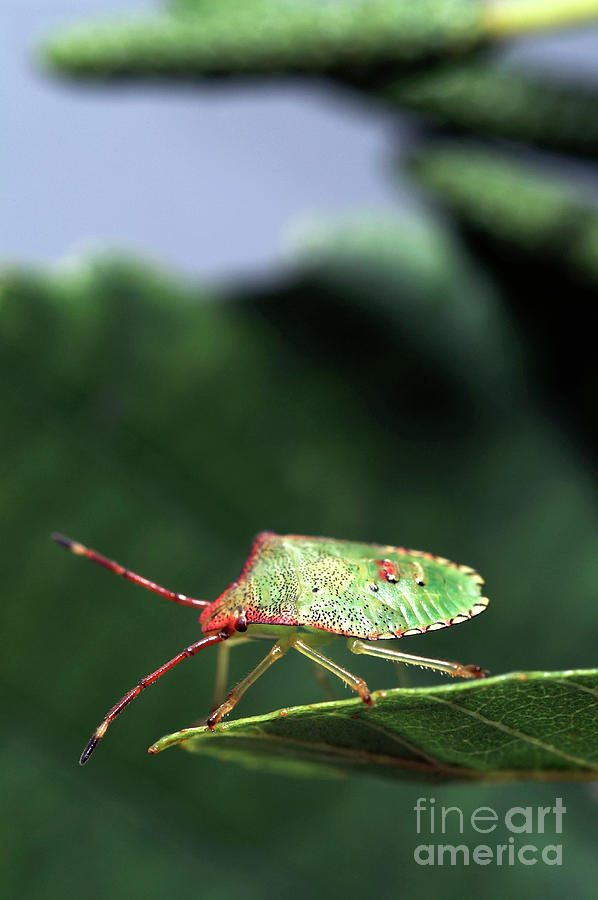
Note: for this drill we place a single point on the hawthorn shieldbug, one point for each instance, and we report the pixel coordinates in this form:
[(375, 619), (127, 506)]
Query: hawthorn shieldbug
[(301, 593)]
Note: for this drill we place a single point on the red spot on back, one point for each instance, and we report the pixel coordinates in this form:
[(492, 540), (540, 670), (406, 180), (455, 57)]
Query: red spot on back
[(388, 571)]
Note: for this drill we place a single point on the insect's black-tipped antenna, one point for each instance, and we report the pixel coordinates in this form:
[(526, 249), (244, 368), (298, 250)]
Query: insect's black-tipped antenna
[(100, 731), (80, 550)]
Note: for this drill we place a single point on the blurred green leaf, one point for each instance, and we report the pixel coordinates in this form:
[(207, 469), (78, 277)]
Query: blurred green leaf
[(536, 726), (409, 270), (164, 424)]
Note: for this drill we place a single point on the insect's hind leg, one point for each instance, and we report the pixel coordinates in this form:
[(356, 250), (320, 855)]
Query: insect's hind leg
[(355, 683), (372, 648), (275, 653)]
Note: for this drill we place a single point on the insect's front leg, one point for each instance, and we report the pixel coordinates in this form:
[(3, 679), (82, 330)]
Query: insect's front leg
[(276, 652)]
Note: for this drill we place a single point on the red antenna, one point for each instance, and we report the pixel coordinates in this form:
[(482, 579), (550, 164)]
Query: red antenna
[(80, 550)]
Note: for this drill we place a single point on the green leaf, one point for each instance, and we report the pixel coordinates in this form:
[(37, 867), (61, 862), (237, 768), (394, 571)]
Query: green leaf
[(536, 726)]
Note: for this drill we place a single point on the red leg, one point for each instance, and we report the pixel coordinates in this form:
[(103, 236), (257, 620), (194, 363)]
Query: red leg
[(149, 679), (80, 550)]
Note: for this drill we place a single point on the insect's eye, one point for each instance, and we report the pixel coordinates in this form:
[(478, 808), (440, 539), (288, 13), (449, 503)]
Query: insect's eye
[(240, 623)]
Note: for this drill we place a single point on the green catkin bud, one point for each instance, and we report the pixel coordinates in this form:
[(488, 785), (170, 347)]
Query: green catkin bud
[(514, 204), (491, 99)]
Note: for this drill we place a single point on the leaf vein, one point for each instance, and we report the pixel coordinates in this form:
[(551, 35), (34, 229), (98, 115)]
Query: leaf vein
[(522, 735)]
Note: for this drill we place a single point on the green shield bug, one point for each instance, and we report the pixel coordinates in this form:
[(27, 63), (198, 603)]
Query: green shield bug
[(302, 592)]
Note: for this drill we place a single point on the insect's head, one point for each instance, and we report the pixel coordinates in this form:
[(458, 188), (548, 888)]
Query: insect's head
[(227, 613)]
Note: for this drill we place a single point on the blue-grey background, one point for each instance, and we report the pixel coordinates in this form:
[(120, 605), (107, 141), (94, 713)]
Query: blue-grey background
[(205, 179)]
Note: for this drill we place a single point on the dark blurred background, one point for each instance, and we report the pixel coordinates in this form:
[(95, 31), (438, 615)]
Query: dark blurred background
[(419, 373)]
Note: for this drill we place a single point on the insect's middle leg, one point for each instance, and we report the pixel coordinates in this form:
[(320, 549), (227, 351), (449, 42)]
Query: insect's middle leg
[(372, 648), (276, 652), (322, 680), (355, 683), (221, 675)]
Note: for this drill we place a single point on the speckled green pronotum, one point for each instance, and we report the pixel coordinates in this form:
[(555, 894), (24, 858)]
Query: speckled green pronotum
[(302, 592)]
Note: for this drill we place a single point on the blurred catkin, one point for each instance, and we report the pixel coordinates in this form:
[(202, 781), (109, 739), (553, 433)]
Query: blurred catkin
[(491, 99), (514, 204), (259, 37)]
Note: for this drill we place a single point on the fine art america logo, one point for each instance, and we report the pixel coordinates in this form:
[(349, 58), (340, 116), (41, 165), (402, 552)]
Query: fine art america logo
[(513, 847)]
